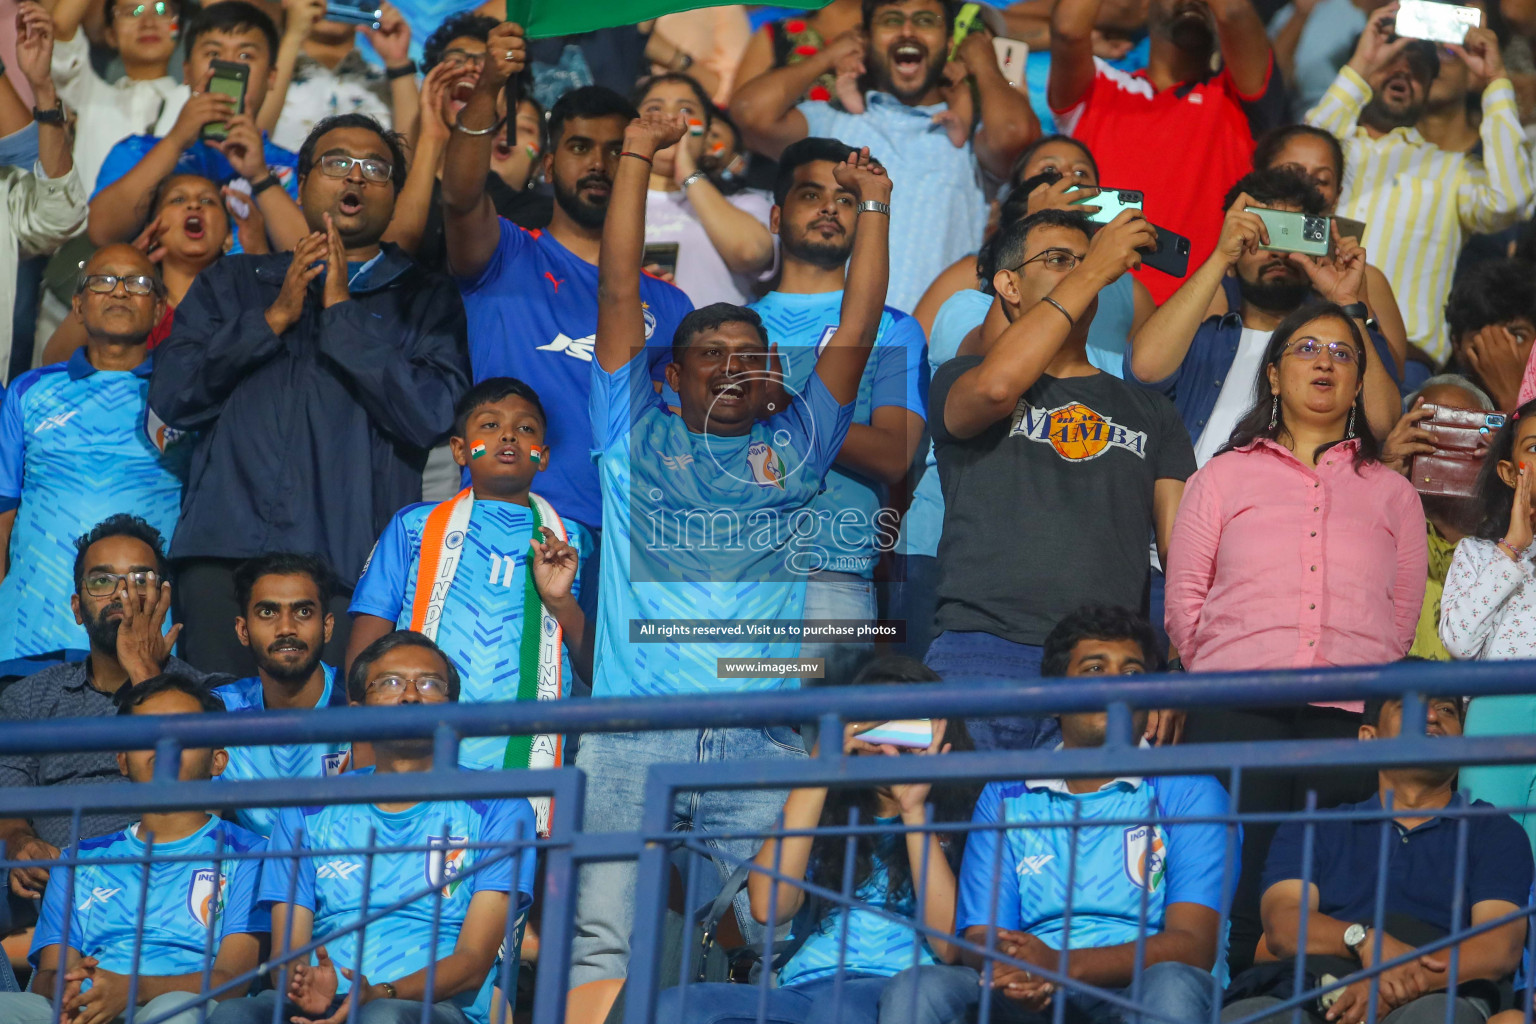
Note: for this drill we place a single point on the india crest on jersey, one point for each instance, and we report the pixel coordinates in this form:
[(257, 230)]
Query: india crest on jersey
[(205, 897), (445, 860), (1146, 856), (767, 468)]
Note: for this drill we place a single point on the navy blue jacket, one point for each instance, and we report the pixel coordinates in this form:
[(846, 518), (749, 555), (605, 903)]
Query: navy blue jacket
[(312, 440)]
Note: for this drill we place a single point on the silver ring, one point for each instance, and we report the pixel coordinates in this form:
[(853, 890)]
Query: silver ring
[(509, 55)]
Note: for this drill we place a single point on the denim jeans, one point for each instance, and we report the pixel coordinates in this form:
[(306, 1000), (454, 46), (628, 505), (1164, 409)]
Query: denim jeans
[(616, 765), (1428, 1009), (838, 595), (34, 1008), (810, 1002), (983, 655), (952, 995), (914, 597), (258, 1010)]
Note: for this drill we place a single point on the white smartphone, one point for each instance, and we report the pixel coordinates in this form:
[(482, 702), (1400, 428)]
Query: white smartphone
[(914, 733), (1011, 54), (1437, 22)]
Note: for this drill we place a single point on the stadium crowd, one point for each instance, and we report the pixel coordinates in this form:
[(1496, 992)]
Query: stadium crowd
[(397, 357)]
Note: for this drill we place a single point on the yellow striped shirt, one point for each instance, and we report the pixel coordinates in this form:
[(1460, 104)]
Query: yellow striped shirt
[(1419, 201)]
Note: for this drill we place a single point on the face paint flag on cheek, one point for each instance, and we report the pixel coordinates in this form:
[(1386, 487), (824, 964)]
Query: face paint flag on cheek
[(477, 449), (536, 454), (695, 126)]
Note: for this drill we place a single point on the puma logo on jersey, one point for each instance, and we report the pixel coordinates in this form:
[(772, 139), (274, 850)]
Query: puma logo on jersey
[(99, 895), (58, 419), (1035, 865), (576, 348), (339, 869), (556, 281)]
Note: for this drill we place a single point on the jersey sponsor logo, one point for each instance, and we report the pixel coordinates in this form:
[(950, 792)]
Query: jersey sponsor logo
[(766, 465), (445, 859), (650, 319), (58, 419), (682, 461), (99, 895), (205, 896), (1146, 856), (502, 566), (556, 282), (336, 762), (1076, 432), (1035, 864), (576, 348), (341, 870)]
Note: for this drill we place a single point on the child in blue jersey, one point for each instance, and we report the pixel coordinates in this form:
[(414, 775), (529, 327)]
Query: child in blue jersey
[(88, 926), (472, 857), (1153, 876), (699, 518), (885, 868), (283, 598), (492, 615)]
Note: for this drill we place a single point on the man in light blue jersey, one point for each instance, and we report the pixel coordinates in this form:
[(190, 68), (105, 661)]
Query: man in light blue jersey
[(699, 517), (490, 575), (195, 911), (1154, 877), (815, 219), (283, 598), (472, 858), (74, 450)]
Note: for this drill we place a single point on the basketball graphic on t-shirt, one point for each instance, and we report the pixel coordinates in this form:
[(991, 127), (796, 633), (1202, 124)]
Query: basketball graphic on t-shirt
[(1077, 432)]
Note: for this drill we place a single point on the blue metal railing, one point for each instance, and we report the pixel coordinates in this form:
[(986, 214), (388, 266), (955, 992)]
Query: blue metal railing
[(653, 845)]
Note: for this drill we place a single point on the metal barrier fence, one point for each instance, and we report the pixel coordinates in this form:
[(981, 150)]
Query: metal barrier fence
[(653, 847)]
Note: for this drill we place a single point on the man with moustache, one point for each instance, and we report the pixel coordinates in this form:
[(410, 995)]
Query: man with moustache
[(283, 598), (317, 380), (1175, 131), (1204, 347), (940, 208), (531, 296), (1400, 182)]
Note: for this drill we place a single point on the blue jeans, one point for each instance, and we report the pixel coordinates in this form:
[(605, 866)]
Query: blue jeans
[(33, 1008), (258, 1010), (838, 595), (956, 653), (807, 1003), (616, 765), (914, 598), (952, 995)]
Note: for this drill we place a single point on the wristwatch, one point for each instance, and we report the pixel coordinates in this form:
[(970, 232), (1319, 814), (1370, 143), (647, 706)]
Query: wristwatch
[(403, 71), (1354, 938), (1357, 311), (389, 990), (258, 187), (54, 115), (695, 176), (875, 206)]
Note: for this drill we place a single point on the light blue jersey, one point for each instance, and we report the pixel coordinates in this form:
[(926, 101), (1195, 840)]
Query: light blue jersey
[(853, 525), (482, 624), (183, 896), (876, 947), (73, 451), (1114, 863), (401, 943), (698, 526), (294, 761)]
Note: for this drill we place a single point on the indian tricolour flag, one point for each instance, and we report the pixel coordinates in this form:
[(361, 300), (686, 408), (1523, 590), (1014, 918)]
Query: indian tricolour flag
[(544, 18)]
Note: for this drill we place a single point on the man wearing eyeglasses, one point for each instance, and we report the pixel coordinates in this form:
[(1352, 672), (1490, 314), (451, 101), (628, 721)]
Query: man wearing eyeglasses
[(73, 450), (317, 380)]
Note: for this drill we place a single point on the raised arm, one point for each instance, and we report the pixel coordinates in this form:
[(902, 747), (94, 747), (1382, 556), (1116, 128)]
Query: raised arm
[(1072, 67), (1244, 46), (34, 57), (764, 107), (299, 16), (1008, 122), (67, 16), (743, 241), (414, 203), (620, 312), (1487, 204), (392, 42), (841, 363), (469, 218), (1339, 109), (789, 856)]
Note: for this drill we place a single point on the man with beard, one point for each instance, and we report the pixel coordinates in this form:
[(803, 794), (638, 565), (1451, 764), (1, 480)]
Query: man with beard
[(815, 219), (1130, 121), (940, 208), (531, 296), (317, 379), (1204, 346), (1420, 202), (121, 597), (283, 598)]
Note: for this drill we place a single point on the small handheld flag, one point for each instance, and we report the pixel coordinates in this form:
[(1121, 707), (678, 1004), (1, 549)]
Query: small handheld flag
[(477, 449)]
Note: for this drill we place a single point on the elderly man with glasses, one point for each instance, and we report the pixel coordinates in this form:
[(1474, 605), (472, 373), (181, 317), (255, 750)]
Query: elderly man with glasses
[(317, 380)]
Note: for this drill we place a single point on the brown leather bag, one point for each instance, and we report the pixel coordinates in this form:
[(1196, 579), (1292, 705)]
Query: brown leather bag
[(1462, 436)]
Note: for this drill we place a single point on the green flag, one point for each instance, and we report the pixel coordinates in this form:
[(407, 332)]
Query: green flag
[(544, 18)]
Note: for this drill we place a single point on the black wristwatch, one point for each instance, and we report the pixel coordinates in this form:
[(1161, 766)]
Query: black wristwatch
[(1357, 311), (54, 115), (403, 71), (258, 187)]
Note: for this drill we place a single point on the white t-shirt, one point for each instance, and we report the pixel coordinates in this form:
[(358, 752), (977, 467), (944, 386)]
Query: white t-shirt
[(701, 272), (1236, 396)]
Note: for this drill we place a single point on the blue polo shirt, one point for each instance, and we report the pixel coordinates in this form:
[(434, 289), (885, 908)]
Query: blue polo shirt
[(1421, 864), (199, 158)]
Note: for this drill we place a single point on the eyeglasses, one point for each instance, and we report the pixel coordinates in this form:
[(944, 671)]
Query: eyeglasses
[(159, 9), (335, 165), (457, 58), (104, 584), (395, 686), (921, 19), (105, 284), (1311, 348), (1058, 260)]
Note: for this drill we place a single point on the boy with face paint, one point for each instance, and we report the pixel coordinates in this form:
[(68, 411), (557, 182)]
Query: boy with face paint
[(484, 542)]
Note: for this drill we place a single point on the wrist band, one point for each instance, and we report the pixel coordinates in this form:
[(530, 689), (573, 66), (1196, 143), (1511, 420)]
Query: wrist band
[(258, 187), (695, 176), (1071, 321), (458, 125), (403, 71), (1507, 546), (637, 156)]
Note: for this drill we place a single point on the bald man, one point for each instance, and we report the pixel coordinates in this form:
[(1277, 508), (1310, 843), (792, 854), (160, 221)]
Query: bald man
[(74, 449)]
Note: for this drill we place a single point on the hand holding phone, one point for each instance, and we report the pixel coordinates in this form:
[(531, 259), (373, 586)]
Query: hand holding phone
[(1293, 231), (1109, 202), (911, 734), (1435, 21), (229, 79)]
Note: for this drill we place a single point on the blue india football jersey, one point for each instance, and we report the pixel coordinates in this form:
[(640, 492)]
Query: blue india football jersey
[(401, 943), (532, 315), (293, 761), (184, 895), (697, 526), (73, 451), (481, 627), (853, 526), (1114, 863)]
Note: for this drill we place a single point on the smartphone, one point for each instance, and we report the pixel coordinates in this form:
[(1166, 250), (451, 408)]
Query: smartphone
[(354, 12), (1462, 437), (1171, 255), (1295, 232), (1110, 201), (965, 19), (229, 79), (916, 733), (661, 254), (1350, 228), (1011, 55), (1437, 22)]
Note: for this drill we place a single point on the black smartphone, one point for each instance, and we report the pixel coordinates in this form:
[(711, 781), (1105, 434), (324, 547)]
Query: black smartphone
[(1171, 255), (661, 254), (229, 79), (354, 12)]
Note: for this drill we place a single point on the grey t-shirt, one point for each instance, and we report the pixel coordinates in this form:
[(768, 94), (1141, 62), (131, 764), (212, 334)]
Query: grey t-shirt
[(1051, 507)]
